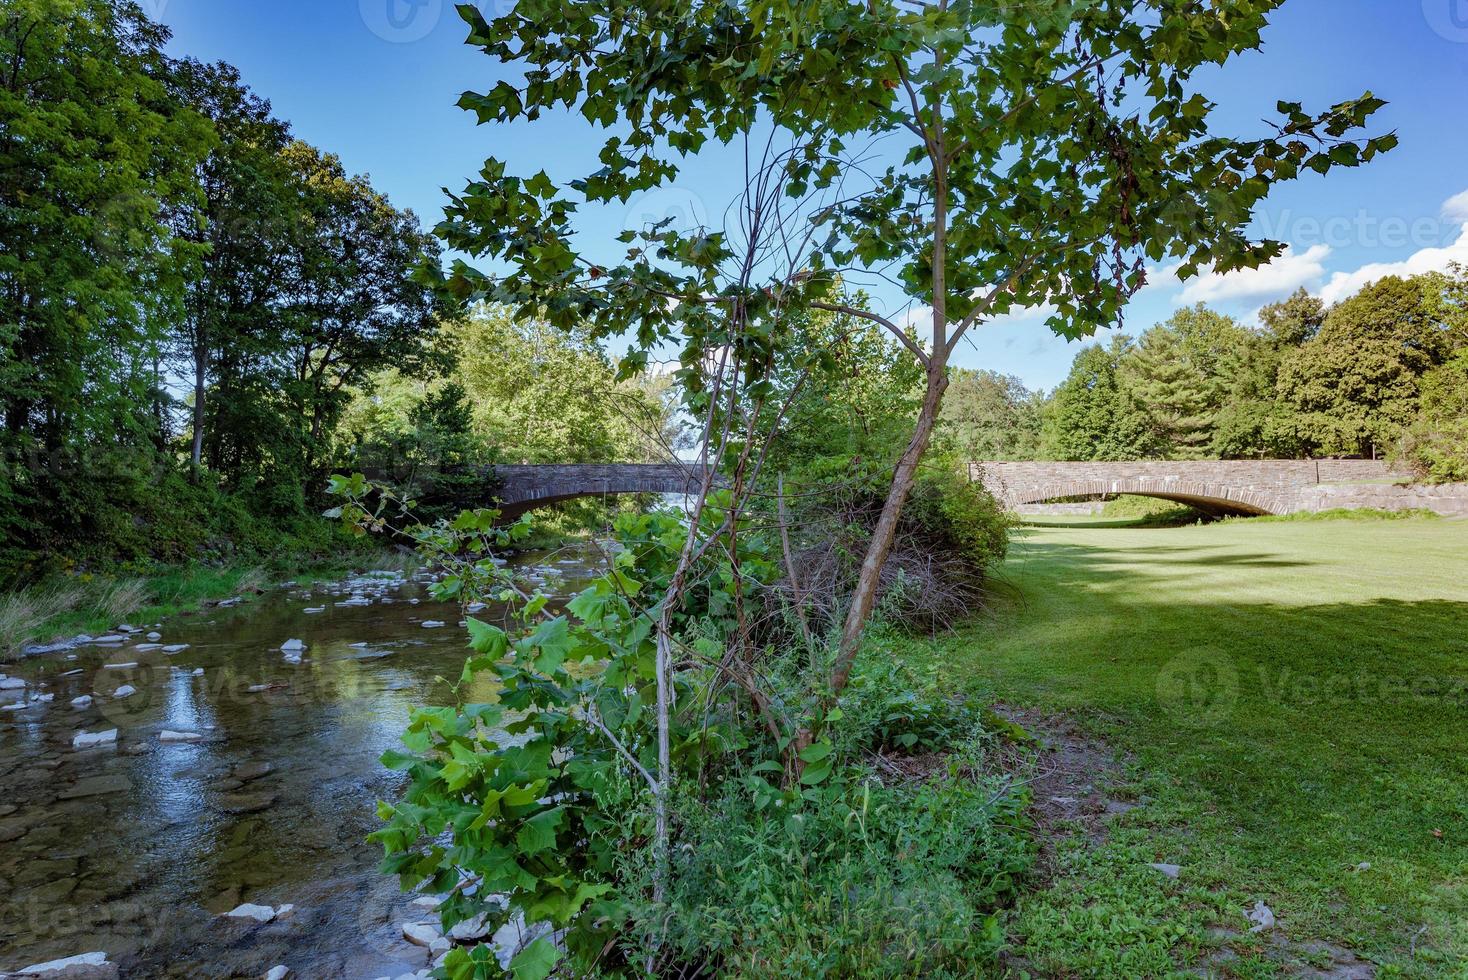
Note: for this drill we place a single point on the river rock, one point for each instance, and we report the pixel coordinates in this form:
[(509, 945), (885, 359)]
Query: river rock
[(475, 607), (17, 706), (148, 647), (126, 666), (433, 624), (278, 973), (242, 803), (245, 772), (471, 930), (423, 934), (87, 740), (109, 639), (43, 699), (125, 691), (180, 737), (154, 636), (173, 648), (97, 786), (87, 966), (82, 703), (293, 646), (314, 609), (11, 683), (125, 628), (259, 913)]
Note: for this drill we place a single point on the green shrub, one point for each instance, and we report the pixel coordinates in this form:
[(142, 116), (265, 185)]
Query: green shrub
[(879, 880)]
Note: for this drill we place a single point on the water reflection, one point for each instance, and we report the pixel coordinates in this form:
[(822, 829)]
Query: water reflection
[(135, 849)]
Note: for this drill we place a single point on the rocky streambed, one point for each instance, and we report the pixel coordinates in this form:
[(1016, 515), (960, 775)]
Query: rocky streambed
[(192, 798)]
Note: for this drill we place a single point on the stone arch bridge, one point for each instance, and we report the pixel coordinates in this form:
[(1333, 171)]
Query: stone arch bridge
[(522, 488), (1213, 486), (1223, 487)]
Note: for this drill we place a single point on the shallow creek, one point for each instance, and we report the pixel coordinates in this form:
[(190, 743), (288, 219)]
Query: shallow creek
[(137, 848)]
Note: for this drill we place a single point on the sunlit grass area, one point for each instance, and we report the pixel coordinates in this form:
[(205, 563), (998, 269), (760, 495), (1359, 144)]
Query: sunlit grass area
[(1291, 699)]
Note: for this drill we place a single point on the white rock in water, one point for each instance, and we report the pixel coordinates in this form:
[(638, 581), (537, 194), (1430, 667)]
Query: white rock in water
[(154, 636), (433, 624), (260, 913), (284, 911), (180, 737), (110, 638), (43, 699), (412, 602), (125, 691), (421, 933), (257, 688), (173, 648), (278, 973), (11, 683), (144, 647), (315, 609), (358, 646), (85, 701), (125, 628), (471, 930), (118, 666), (198, 671), (87, 966), (87, 740), (17, 706), (292, 645), (475, 607)]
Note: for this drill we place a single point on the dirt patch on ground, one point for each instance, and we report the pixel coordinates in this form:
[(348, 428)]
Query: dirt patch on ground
[(1068, 773)]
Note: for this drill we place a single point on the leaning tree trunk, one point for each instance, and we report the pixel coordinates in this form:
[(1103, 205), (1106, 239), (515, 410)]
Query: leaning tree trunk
[(869, 580)]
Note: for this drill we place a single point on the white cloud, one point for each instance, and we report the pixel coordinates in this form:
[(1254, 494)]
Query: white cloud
[(1279, 278), (1456, 208), (1344, 284)]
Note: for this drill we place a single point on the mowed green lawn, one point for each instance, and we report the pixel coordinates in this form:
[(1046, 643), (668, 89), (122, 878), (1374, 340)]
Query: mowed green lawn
[(1292, 699)]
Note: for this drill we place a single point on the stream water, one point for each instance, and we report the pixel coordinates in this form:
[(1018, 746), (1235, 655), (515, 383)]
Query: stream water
[(137, 848)]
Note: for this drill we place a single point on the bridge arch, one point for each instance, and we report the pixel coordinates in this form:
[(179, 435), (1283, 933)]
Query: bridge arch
[(1219, 500), (522, 488)]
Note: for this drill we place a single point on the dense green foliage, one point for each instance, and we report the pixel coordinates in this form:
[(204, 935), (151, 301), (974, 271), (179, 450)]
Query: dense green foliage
[(509, 390), (1372, 376), (158, 224), (987, 415)]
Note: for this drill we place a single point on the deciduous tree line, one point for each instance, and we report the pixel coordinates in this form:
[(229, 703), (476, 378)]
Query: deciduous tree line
[(191, 297), (1380, 374)]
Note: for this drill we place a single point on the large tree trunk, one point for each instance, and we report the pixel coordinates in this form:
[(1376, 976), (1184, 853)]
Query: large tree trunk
[(867, 583)]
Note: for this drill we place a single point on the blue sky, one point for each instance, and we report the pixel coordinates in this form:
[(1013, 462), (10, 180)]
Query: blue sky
[(375, 81)]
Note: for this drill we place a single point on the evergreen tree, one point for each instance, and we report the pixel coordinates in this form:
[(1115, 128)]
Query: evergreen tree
[(1090, 417), (1169, 390)]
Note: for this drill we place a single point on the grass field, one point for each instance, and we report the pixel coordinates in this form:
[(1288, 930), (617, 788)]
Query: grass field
[(1291, 699)]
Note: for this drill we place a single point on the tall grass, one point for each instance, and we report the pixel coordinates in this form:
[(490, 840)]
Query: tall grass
[(25, 613)]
